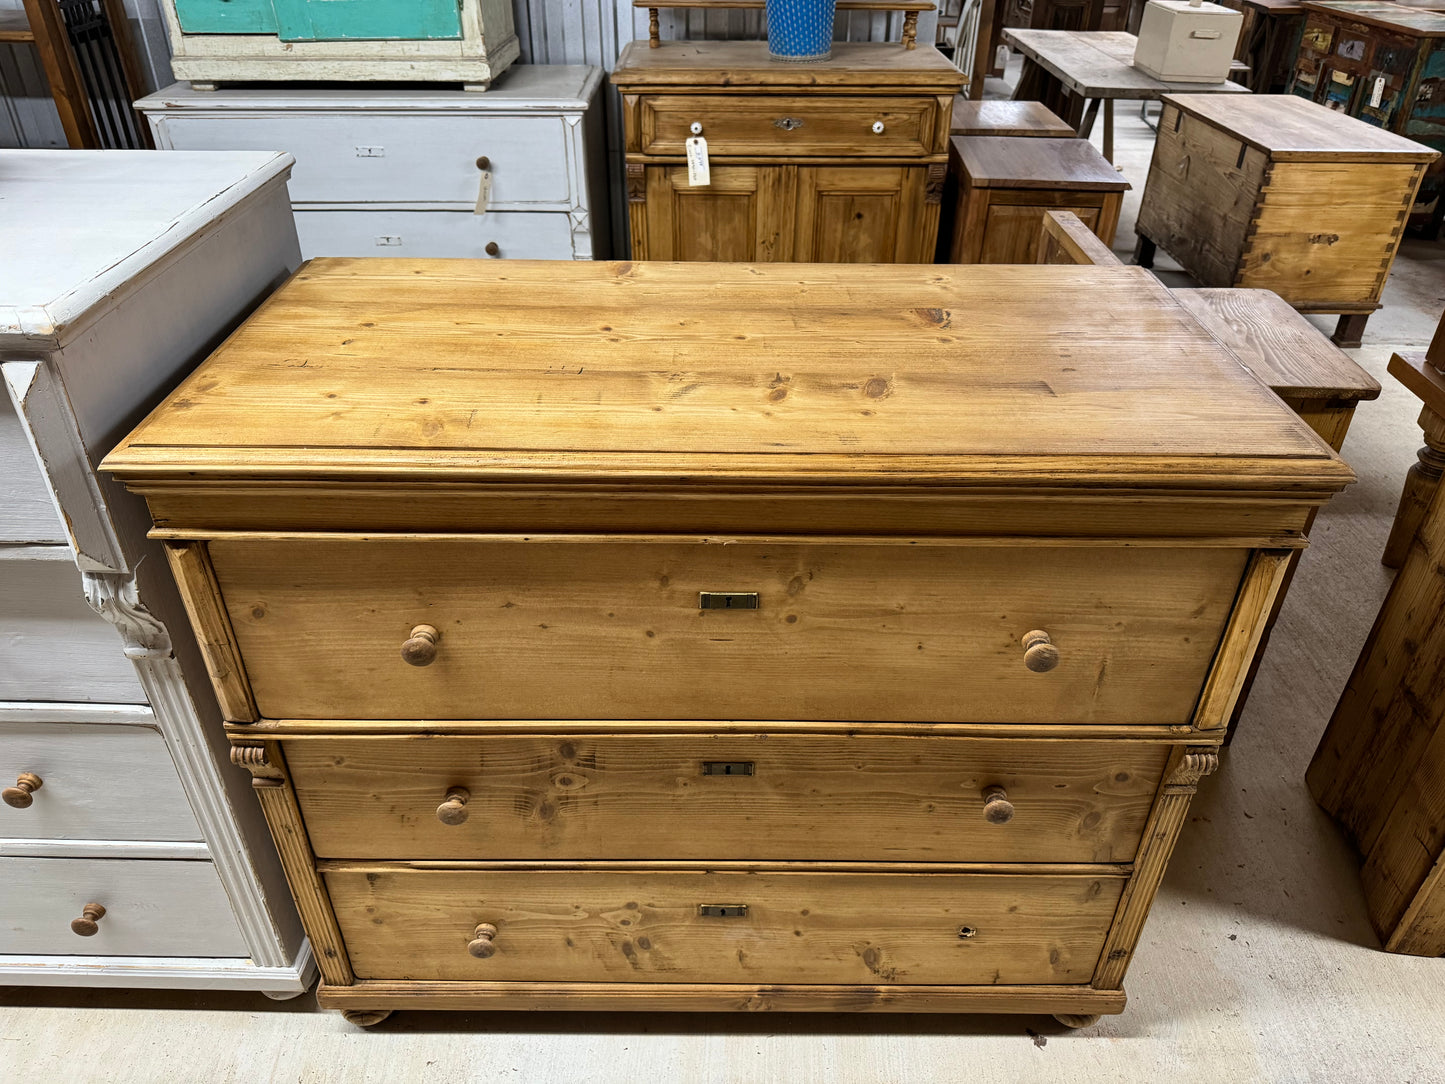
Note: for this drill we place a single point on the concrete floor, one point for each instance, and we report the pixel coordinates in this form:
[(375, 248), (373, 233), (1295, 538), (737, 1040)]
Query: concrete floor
[(1258, 963)]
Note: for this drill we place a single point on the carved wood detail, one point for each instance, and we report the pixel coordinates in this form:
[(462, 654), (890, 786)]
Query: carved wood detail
[(252, 756), (636, 182), (936, 173)]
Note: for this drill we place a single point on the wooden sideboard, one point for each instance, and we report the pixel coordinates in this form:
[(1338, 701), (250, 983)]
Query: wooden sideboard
[(835, 162), (729, 636), (128, 854)]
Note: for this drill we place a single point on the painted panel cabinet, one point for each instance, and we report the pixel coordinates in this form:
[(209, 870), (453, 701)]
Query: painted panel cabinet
[(437, 41), (387, 172), (129, 856)]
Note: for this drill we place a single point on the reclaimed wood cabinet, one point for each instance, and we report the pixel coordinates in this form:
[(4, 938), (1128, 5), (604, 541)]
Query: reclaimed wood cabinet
[(434, 41), (399, 172), (1385, 64), (735, 664), (1273, 192), (835, 162), (129, 857)]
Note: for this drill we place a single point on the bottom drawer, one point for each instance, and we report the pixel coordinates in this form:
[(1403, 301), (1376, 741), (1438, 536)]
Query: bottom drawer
[(152, 908), (639, 926), (517, 235)]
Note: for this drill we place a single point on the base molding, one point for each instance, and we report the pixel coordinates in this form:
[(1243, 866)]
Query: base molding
[(691, 997), (160, 973)]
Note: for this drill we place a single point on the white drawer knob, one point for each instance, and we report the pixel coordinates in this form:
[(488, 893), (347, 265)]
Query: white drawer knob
[(877, 127), (19, 796), (695, 127), (1040, 654)]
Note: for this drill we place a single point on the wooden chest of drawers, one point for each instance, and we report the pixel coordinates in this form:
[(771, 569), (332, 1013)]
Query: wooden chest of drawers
[(835, 162), (735, 637)]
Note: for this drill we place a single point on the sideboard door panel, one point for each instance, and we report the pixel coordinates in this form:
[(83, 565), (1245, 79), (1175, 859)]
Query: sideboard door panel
[(231, 17), (859, 214), (743, 216)]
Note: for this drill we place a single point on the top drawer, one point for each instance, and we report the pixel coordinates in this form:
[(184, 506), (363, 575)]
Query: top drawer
[(421, 158), (610, 628), (858, 127)]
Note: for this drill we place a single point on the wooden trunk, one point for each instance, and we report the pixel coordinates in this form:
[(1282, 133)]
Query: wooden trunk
[(780, 636), (834, 162), (1273, 192)]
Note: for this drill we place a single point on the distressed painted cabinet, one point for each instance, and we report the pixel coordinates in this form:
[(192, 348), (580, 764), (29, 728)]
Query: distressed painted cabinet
[(128, 854), (1383, 63), (834, 162), (387, 172), (435, 41), (726, 636)]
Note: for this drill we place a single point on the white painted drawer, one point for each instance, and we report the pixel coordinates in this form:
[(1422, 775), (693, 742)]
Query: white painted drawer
[(52, 645), (97, 782), (380, 158), (26, 512), (152, 908), (517, 235)]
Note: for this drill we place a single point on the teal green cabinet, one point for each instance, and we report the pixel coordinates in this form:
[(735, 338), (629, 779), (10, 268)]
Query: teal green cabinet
[(367, 20), (324, 20), (226, 16)]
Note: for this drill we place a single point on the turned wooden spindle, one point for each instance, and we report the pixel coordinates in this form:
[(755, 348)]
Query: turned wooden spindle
[(910, 30), (1420, 486), (88, 924), (997, 809), (653, 30), (20, 795), (454, 809), (420, 648), (481, 944), (1040, 654)]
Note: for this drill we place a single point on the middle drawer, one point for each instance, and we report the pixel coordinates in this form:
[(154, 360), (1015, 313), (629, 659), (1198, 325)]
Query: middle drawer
[(564, 628), (764, 797)]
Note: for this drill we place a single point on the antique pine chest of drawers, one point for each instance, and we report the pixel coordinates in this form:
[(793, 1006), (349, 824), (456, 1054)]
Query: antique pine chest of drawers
[(669, 636)]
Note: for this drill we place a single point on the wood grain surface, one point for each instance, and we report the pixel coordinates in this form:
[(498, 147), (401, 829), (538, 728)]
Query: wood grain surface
[(746, 64), (1054, 164), (830, 373), (1290, 128), (1006, 118), (739, 125), (557, 630), (648, 797), (556, 924)]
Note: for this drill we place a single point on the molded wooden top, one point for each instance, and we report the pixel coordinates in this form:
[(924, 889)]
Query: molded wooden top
[(1407, 19), (775, 375), (1289, 128), (1007, 118), (61, 260), (746, 64), (1278, 345), (1010, 162), (522, 88)]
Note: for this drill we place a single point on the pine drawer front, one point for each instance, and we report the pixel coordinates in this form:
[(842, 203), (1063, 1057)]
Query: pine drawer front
[(516, 235), (613, 629), (152, 908), (27, 513), (394, 159), (52, 645), (646, 926), (770, 125), (764, 797), (96, 782)]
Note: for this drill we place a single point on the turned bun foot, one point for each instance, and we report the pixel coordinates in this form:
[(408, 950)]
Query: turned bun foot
[(365, 1018), (1071, 1020)]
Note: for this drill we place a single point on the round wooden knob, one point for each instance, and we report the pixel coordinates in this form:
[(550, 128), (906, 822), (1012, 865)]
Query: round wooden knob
[(1040, 654), (492, 249), (481, 944), (420, 648), (88, 924), (997, 809), (454, 809), (19, 796), (484, 162)]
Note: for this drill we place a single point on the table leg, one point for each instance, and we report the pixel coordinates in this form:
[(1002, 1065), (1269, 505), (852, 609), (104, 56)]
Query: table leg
[(1349, 330), (1086, 126), (1109, 130), (1144, 252), (1420, 486), (1031, 80)]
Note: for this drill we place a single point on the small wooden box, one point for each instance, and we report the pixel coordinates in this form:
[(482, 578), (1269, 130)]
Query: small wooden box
[(1183, 42), (1007, 118), (1276, 192), (1006, 184)]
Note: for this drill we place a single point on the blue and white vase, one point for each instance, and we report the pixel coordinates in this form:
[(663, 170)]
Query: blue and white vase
[(800, 31)]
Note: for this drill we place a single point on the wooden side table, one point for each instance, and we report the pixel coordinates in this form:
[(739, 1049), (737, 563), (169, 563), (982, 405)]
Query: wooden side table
[(1007, 118), (1380, 767)]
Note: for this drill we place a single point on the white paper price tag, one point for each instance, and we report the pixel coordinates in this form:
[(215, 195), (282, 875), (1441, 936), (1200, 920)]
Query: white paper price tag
[(697, 171), (1378, 92), (484, 192)]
